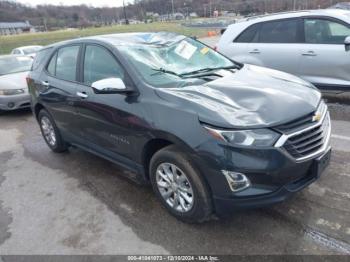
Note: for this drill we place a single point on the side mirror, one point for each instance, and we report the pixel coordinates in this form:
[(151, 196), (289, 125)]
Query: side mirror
[(347, 44), (109, 86)]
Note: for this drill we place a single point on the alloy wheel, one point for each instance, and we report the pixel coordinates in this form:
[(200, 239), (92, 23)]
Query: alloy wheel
[(48, 131), (174, 187)]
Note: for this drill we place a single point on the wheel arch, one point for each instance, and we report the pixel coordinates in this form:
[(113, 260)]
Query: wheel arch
[(159, 141), (163, 140), (37, 108)]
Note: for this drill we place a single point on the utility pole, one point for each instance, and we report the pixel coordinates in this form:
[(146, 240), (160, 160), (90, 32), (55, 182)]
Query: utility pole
[(172, 9), (294, 4), (126, 20), (209, 8)]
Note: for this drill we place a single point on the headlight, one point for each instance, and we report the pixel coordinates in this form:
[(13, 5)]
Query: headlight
[(11, 92), (254, 137)]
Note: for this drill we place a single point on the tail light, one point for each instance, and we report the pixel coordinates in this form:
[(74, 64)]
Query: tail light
[(29, 81)]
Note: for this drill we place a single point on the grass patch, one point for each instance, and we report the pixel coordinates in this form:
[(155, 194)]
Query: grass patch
[(7, 43)]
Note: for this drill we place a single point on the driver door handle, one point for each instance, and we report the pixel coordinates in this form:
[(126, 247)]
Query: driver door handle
[(309, 53), (82, 95), (255, 51)]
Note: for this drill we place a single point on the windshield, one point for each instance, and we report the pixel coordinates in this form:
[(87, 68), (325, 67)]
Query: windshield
[(31, 50), (15, 64), (166, 65)]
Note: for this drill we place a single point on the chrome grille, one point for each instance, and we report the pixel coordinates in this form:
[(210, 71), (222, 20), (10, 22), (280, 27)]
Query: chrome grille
[(310, 139), (308, 142)]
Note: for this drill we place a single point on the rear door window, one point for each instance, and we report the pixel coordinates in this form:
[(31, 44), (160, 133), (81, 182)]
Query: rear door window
[(66, 63), (281, 31)]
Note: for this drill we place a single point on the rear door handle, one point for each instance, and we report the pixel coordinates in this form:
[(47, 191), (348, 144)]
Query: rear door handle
[(255, 51), (309, 53), (82, 94), (45, 83)]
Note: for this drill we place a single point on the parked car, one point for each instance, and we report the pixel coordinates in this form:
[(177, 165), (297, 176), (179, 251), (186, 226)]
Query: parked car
[(343, 5), (27, 50), (210, 135), (13, 86), (313, 45)]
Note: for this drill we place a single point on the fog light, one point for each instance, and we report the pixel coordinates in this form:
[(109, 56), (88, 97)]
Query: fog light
[(236, 181), (11, 105)]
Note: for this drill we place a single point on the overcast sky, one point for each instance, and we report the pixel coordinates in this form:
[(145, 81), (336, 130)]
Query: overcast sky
[(95, 3)]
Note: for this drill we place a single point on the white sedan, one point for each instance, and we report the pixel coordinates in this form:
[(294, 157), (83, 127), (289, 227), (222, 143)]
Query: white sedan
[(13, 86), (29, 50)]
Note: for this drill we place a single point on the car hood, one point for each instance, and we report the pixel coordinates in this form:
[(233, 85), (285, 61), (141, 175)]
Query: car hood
[(252, 97), (14, 81)]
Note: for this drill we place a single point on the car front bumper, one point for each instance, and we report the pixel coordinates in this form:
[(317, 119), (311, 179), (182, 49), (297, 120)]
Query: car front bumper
[(274, 177), (225, 206), (14, 102)]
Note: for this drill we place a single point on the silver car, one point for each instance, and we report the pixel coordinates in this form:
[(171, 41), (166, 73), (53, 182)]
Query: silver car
[(314, 45), (13, 86)]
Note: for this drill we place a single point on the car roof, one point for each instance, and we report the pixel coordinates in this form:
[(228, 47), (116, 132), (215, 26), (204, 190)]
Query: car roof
[(144, 38), (28, 46), (8, 56), (293, 14)]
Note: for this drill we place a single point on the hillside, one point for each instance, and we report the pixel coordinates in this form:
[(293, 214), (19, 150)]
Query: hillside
[(53, 17)]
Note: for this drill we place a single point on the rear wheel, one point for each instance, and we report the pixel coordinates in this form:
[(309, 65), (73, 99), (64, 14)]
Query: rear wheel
[(179, 186), (51, 133)]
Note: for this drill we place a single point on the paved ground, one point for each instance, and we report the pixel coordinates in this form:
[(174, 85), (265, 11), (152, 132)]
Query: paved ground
[(76, 203), (210, 41)]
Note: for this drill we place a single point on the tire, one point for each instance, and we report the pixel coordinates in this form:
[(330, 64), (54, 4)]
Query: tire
[(53, 140), (195, 188)]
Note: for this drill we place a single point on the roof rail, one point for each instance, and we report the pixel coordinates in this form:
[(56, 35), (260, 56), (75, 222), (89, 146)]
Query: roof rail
[(279, 13)]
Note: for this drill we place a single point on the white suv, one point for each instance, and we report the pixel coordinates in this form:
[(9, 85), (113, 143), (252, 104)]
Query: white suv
[(314, 45)]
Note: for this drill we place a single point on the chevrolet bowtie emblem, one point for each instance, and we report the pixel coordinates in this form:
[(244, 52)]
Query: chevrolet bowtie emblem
[(316, 117)]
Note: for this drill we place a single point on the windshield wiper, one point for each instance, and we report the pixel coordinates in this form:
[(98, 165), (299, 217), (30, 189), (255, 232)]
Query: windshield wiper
[(162, 70), (204, 70)]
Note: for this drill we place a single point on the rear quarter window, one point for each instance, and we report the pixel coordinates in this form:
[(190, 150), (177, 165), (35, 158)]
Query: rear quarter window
[(249, 35), (40, 58)]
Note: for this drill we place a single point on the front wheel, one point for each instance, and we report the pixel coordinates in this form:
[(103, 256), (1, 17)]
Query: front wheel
[(51, 133), (179, 186)]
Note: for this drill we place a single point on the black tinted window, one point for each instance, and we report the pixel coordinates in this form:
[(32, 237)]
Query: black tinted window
[(100, 64), (41, 57), (249, 35), (66, 64), (321, 31), (279, 32)]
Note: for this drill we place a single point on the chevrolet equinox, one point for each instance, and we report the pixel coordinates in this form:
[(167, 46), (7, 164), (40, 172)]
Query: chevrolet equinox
[(209, 134)]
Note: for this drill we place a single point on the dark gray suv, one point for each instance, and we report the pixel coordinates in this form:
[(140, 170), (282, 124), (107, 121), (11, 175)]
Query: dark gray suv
[(210, 135)]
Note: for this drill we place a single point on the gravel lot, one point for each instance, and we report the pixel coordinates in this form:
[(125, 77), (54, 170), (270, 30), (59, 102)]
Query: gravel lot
[(76, 203)]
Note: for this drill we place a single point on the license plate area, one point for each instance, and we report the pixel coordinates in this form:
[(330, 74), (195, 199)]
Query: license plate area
[(321, 163)]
